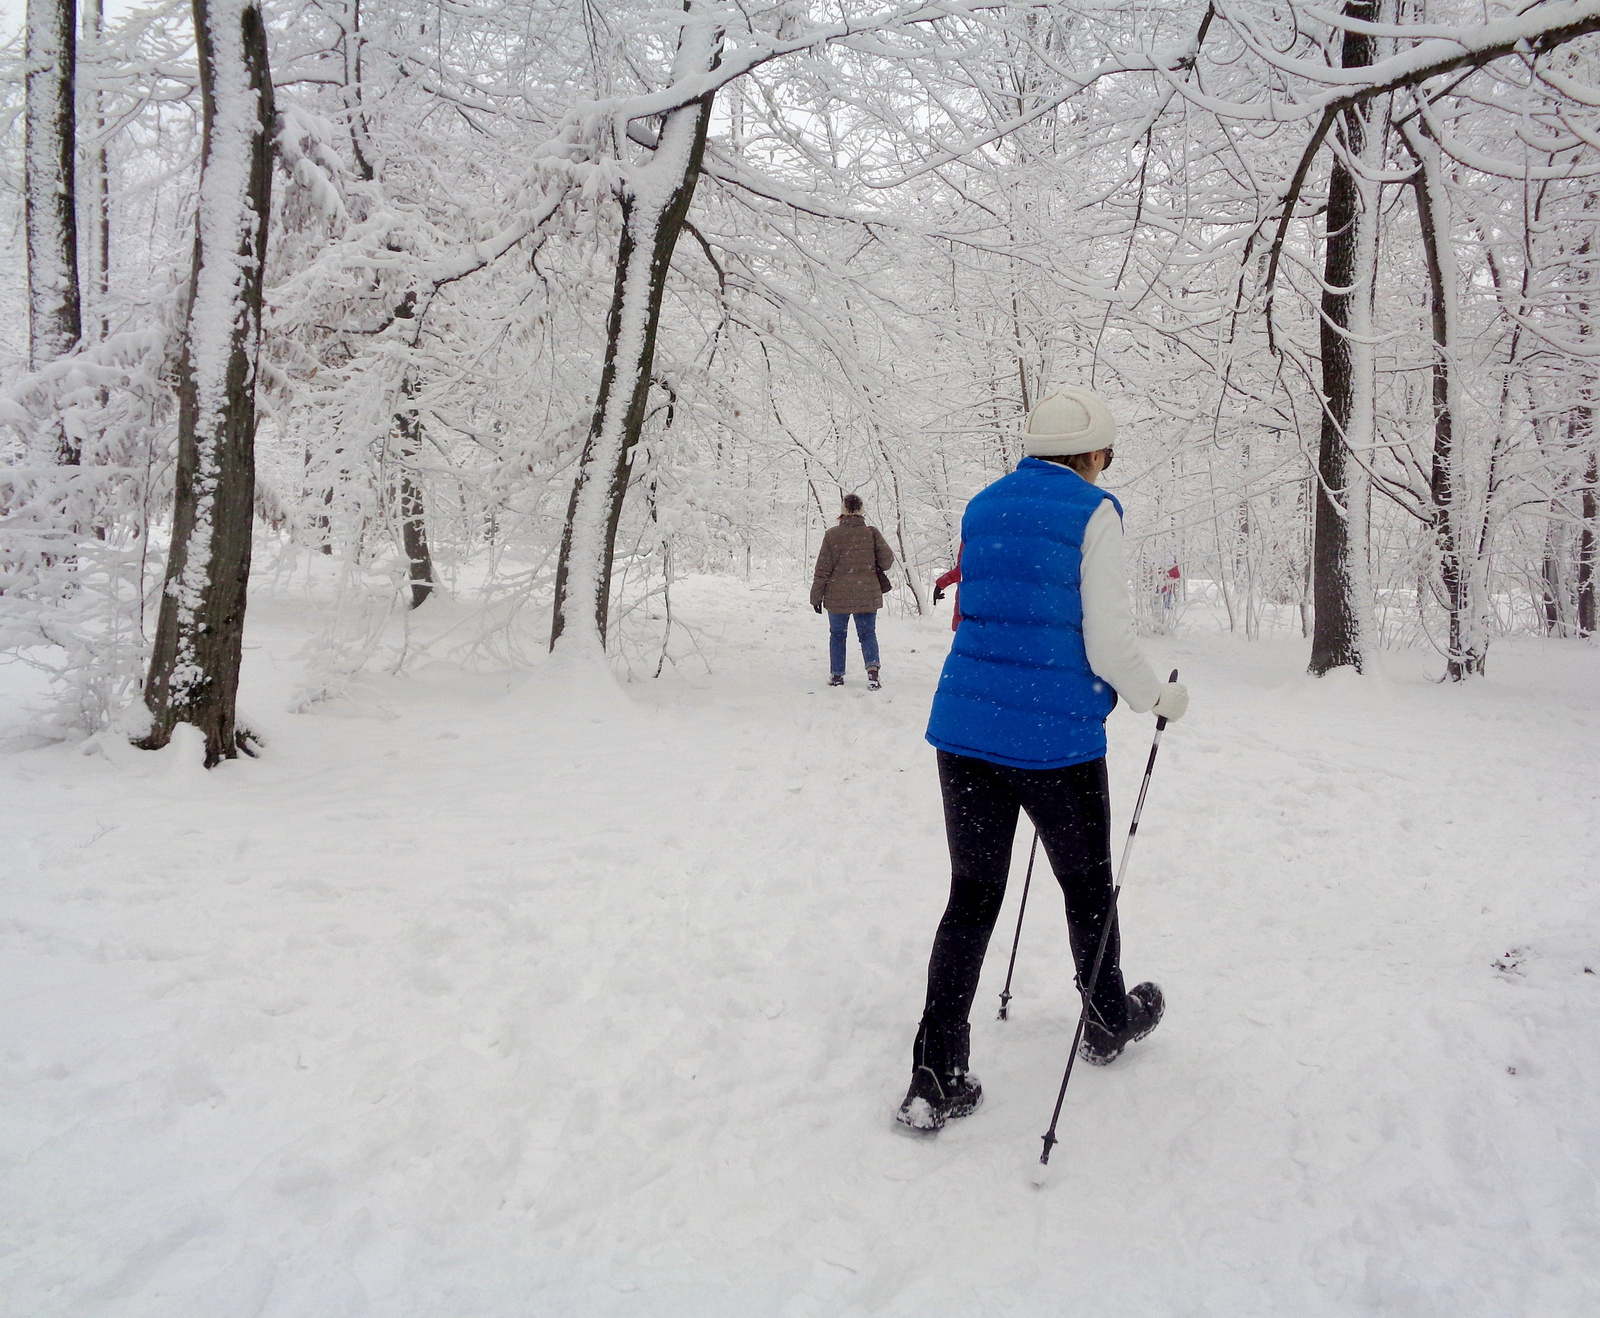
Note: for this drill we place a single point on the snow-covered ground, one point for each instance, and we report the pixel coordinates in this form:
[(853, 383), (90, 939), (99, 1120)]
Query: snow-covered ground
[(515, 994)]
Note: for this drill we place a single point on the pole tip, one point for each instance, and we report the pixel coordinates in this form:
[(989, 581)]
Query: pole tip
[(1040, 1176)]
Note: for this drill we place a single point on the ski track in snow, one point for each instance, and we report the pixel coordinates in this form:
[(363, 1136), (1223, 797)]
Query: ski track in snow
[(537, 996)]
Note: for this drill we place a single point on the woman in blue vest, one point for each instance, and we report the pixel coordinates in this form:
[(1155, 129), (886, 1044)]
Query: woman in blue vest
[(1044, 648)]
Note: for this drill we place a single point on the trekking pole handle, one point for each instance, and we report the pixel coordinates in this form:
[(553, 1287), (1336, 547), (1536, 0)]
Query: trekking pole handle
[(1161, 720)]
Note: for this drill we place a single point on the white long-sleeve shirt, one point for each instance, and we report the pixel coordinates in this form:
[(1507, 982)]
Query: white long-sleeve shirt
[(1114, 650)]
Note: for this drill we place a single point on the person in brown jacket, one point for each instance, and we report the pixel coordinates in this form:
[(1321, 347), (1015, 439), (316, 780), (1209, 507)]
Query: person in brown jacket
[(847, 584)]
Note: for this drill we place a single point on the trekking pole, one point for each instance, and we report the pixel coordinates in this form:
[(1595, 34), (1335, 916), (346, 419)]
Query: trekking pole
[(1105, 933), (1005, 993)]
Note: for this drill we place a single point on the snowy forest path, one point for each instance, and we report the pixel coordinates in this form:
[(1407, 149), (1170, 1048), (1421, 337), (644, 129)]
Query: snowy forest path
[(513, 993)]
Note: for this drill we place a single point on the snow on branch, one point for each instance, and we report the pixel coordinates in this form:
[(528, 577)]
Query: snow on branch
[(740, 56)]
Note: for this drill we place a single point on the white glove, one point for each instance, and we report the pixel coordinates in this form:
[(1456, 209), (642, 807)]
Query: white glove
[(1172, 703)]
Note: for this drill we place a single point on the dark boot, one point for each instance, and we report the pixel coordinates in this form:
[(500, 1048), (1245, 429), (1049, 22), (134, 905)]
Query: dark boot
[(962, 1092), (941, 1085), (873, 684), (1101, 1046), (836, 679), (924, 1104)]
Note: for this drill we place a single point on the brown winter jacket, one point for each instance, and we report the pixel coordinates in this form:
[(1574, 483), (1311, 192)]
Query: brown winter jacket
[(846, 579)]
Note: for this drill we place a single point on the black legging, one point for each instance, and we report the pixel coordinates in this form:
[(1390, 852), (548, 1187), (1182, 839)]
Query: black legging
[(1071, 808)]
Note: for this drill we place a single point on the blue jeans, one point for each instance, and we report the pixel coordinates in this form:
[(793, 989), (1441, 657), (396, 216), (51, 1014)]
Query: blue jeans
[(866, 633)]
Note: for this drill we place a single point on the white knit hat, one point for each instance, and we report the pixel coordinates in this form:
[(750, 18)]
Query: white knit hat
[(1069, 421)]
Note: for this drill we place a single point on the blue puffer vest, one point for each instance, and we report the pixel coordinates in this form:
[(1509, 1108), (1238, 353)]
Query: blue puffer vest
[(1017, 688)]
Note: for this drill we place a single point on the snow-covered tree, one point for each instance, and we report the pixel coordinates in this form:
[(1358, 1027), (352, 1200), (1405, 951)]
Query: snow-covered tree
[(194, 670), (54, 312)]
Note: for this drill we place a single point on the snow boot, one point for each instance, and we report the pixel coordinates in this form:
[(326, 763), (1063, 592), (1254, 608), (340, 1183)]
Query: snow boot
[(962, 1094), (1101, 1047), (941, 1085), (836, 679), (924, 1106), (872, 680)]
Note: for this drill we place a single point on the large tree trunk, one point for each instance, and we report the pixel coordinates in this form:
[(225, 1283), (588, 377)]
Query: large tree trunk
[(655, 203), (194, 672), (49, 164), (1464, 654), (1339, 552)]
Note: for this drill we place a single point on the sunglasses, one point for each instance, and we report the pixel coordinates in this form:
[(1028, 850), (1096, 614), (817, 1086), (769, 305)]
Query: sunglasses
[(1109, 455)]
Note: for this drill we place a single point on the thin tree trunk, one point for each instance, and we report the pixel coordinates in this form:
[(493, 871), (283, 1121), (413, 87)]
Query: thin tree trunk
[(1586, 541), (194, 672), (99, 262), (1512, 371), (413, 513), (912, 584), (1583, 424), (350, 45), (412, 499), (1024, 394), (353, 42), (655, 203), (414, 538), (1553, 595), (1305, 502), (50, 185), (1340, 543)]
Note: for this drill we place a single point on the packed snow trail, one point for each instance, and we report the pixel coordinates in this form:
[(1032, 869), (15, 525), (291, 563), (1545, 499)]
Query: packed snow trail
[(510, 994)]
